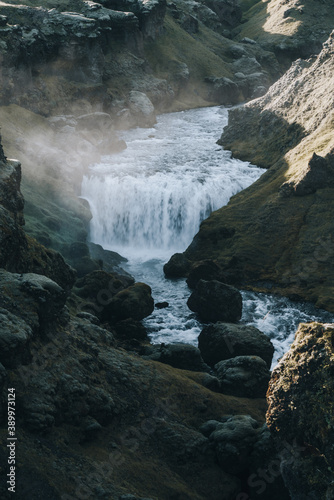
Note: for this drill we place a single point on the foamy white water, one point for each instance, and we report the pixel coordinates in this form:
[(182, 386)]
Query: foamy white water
[(149, 200), (147, 203)]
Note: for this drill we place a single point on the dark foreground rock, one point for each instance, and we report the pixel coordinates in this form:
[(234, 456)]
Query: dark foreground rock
[(215, 301), (243, 376), (184, 356), (226, 340), (300, 412)]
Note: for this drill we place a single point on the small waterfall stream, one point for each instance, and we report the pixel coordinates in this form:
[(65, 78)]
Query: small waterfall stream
[(148, 201)]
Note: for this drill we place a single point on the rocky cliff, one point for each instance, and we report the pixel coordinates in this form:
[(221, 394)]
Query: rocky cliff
[(278, 234)]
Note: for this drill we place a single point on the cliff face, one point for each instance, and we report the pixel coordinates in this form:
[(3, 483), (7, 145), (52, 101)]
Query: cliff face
[(277, 234)]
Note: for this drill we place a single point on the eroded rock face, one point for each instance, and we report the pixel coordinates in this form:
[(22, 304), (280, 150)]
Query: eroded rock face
[(300, 412), (216, 301)]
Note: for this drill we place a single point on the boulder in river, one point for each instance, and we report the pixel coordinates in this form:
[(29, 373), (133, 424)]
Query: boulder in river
[(184, 356), (177, 266), (225, 340), (205, 270), (243, 376), (134, 302), (216, 301)]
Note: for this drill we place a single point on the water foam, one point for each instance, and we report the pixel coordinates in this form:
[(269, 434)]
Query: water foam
[(149, 200)]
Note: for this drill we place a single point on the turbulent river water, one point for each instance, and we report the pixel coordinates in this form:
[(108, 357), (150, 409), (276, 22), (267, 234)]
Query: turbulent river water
[(147, 203)]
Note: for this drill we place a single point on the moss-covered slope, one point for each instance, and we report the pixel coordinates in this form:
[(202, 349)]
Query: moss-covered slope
[(282, 232)]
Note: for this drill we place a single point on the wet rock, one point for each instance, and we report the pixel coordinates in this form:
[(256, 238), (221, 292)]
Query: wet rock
[(111, 260), (243, 376), (178, 266), (133, 302), (206, 270), (300, 412), (161, 305), (225, 340), (216, 301), (184, 356), (98, 288), (265, 478), (94, 121)]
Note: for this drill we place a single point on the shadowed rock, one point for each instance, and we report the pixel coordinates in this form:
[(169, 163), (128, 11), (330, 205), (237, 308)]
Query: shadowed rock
[(215, 301), (243, 376), (226, 340)]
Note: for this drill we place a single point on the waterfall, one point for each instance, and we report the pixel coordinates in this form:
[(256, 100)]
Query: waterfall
[(147, 202), (151, 198)]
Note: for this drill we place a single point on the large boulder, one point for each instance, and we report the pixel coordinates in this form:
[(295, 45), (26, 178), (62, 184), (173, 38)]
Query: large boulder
[(225, 340), (300, 412), (205, 270), (184, 356), (216, 301), (178, 266), (134, 302), (243, 376)]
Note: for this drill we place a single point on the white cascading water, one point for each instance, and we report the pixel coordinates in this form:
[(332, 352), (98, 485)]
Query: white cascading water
[(147, 203), (151, 198)]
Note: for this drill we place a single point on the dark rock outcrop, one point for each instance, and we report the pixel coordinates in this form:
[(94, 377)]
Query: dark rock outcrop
[(225, 340), (177, 266), (215, 301), (133, 302), (184, 356), (300, 413), (205, 270), (243, 376)]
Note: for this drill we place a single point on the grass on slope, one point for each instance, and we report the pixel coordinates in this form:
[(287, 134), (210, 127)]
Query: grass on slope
[(204, 53)]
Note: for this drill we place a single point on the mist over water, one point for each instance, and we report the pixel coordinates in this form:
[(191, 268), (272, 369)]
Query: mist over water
[(147, 203)]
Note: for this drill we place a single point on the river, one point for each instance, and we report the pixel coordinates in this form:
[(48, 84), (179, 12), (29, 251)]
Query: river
[(147, 203)]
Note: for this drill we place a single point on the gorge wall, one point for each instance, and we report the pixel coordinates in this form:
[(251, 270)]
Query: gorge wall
[(278, 234)]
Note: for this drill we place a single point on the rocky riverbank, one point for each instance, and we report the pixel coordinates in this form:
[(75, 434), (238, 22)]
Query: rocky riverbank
[(99, 412)]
